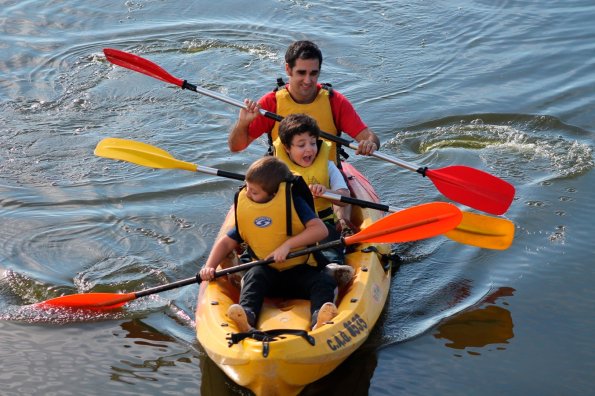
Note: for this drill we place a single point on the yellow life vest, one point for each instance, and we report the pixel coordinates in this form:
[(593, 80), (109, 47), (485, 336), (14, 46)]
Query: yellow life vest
[(263, 226), (317, 173), (319, 109)]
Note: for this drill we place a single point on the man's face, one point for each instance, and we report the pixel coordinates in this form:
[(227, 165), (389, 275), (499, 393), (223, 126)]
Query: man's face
[(303, 79)]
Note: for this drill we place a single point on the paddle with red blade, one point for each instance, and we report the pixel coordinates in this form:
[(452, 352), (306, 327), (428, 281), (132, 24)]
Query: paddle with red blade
[(472, 187), (412, 224), (144, 66), (468, 186)]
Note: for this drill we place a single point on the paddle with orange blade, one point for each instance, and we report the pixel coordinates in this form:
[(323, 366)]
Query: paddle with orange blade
[(475, 229), (412, 224), (468, 186)]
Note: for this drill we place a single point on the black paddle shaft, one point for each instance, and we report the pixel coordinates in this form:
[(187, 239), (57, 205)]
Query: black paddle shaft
[(237, 268)]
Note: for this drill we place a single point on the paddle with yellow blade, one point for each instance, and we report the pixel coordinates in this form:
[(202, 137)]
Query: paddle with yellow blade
[(474, 229), (468, 186), (415, 223)]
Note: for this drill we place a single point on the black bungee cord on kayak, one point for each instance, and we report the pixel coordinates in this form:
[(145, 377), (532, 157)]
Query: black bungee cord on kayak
[(267, 336)]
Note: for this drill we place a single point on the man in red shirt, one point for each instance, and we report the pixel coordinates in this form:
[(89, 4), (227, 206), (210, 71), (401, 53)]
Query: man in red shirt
[(303, 94)]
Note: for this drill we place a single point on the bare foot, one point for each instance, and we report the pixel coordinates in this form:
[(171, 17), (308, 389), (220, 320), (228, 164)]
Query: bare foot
[(326, 313), (236, 313)]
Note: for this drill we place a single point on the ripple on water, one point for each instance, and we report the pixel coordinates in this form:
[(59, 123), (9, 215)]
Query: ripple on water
[(87, 251), (520, 148), (26, 289)]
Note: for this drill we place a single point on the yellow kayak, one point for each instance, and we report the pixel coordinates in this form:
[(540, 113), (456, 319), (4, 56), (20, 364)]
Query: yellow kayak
[(284, 355)]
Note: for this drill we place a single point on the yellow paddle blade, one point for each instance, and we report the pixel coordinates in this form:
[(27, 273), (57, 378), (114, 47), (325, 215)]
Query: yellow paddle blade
[(483, 231), (140, 153)]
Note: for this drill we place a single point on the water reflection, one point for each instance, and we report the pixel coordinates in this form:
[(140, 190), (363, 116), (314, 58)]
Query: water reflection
[(352, 377), (150, 352), (144, 334), (215, 382), (479, 327)]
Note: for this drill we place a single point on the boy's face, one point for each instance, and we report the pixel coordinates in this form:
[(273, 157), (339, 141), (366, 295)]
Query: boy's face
[(255, 193), (303, 149)]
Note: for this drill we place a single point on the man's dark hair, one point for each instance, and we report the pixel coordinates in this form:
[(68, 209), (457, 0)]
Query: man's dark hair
[(302, 50)]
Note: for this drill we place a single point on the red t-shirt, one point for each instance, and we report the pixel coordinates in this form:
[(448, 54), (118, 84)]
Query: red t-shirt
[(344, 115)]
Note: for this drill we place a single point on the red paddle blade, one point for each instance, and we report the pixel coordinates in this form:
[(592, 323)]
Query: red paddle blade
[(412, 224), (141, 65), (474, 188), (88, 301)]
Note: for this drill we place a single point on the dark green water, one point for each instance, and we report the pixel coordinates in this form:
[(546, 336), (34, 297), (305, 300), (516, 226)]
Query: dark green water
[(507, 87)]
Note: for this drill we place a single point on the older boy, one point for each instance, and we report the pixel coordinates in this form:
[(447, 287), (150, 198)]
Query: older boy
[(301, 149)]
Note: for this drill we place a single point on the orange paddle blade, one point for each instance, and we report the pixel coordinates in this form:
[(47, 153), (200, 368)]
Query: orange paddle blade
[(89, 301), (419, 222)]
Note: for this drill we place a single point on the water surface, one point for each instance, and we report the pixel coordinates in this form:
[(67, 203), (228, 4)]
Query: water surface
[(504, 87)]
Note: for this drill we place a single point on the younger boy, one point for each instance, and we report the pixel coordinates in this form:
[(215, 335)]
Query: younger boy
[(261, 216), (301, 149)]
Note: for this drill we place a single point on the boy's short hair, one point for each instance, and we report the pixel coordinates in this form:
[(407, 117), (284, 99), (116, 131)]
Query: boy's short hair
[(302, 50), (296, 124), (268, 173)]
